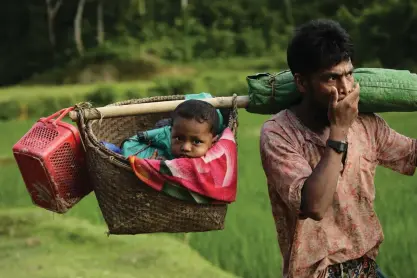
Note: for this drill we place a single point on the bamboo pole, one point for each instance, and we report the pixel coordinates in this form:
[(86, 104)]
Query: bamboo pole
[(153, 107)]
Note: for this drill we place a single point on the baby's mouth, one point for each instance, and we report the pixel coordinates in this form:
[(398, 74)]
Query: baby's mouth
[(185, 156)]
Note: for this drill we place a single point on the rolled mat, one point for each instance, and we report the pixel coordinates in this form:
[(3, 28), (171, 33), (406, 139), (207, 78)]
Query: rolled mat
[(381, 90)]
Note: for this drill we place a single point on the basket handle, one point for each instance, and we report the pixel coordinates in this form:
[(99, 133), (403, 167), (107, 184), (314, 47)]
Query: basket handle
[(62, 113)]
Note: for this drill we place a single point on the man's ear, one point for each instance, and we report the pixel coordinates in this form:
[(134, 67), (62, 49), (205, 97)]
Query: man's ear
[(300, 82)]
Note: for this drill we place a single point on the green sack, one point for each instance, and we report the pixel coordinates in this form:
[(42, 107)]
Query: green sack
[(382, 90)]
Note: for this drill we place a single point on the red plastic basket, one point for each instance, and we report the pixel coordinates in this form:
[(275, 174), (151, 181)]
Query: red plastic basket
[(50, 157)]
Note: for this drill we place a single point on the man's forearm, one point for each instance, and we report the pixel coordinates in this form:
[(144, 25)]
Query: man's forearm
[(319, 188)]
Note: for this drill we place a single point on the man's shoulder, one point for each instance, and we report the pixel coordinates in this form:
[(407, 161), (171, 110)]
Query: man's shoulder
[(277, 121), (370, 119), (279, 125), (367, 116)]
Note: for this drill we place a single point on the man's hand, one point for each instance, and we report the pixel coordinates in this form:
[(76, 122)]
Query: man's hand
[(343, 113), (319, 188)]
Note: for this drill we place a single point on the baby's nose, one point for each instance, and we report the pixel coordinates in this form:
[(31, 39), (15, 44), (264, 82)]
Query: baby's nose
[(186, 147)]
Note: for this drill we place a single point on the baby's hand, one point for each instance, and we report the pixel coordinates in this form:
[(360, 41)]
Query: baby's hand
[(154, 155)]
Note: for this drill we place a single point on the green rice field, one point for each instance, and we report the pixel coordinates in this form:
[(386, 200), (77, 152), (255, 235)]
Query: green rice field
[(248, 247)]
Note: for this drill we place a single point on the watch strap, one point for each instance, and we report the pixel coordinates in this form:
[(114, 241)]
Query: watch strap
[(338, 146)]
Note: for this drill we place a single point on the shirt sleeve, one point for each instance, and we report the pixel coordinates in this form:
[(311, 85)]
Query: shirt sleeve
[(284, 165), (394, 150)]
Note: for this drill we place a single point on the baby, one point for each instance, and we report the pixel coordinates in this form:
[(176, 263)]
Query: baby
[(195, 128)]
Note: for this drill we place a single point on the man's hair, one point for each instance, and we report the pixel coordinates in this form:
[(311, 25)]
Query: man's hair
[(318, 44), (198, 110)]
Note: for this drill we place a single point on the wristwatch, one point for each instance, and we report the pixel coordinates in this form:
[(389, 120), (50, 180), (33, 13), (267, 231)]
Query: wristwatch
[(338, 146)]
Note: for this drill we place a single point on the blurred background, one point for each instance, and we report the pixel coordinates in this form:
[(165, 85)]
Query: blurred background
[(54, 54)]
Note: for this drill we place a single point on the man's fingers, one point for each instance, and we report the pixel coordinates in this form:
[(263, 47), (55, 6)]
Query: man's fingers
[(358, 90), (333, 97), (353, 96)]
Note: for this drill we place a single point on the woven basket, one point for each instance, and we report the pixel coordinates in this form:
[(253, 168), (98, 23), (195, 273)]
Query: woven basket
[(128, 205)]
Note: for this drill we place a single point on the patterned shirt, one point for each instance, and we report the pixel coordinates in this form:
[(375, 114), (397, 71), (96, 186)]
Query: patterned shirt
[(350, 228)]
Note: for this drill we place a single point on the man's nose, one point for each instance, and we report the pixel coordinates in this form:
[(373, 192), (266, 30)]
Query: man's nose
[(344, 86)]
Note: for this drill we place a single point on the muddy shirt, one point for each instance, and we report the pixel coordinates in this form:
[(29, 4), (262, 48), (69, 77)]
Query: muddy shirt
[(350, 228)]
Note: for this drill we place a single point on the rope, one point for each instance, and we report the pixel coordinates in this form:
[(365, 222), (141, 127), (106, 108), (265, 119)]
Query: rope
[(81, 106), (118, 163), (271, 82), (233, 118), (80, 122)]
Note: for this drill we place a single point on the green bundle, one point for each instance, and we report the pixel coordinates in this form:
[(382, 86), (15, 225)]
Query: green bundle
[(381, 90)]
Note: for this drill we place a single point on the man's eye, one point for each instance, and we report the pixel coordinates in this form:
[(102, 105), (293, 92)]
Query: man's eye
[(328, 78)]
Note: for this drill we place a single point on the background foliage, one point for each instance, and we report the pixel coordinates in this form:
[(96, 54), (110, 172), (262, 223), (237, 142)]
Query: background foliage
[(123, 35), (56, 53)]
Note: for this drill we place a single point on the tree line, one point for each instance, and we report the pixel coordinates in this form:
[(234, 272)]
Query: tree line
[(39, 35)]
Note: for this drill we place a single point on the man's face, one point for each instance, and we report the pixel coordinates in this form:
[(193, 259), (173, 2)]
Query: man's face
[(317, 86)]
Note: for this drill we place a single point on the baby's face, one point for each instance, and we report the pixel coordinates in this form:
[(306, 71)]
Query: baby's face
[(190, 138)]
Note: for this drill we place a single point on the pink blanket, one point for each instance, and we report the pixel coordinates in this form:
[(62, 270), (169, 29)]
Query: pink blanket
[(213, 176)]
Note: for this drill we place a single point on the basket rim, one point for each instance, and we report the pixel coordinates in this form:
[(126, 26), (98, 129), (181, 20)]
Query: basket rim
[(119, 159)]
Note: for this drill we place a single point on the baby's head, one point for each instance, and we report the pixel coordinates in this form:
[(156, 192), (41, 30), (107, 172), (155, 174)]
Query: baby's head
[(194, 128)]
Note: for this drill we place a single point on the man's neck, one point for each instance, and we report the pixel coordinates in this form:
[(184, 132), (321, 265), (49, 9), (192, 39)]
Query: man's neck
[(311, 117)]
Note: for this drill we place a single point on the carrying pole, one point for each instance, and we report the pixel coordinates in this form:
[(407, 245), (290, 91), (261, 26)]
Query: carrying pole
[(153, 107)]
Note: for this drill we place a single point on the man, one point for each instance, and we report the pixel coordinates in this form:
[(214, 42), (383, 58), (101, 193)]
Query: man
[(320, 158)]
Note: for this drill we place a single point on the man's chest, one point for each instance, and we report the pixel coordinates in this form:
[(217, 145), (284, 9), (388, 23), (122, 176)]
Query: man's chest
[(357, 169)]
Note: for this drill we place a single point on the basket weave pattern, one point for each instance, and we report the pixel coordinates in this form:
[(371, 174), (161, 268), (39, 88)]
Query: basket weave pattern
[(128, 205)]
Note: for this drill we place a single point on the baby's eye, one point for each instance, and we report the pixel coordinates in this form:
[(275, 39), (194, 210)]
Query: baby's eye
[(196, 142), (177, 138)]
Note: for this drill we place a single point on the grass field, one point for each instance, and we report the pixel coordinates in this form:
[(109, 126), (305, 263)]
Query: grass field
[(247, 246), (206, 76), (24, 92), (47, 246)]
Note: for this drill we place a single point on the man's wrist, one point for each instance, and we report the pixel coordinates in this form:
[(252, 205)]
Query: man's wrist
[(337, 146), (338, 134)]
